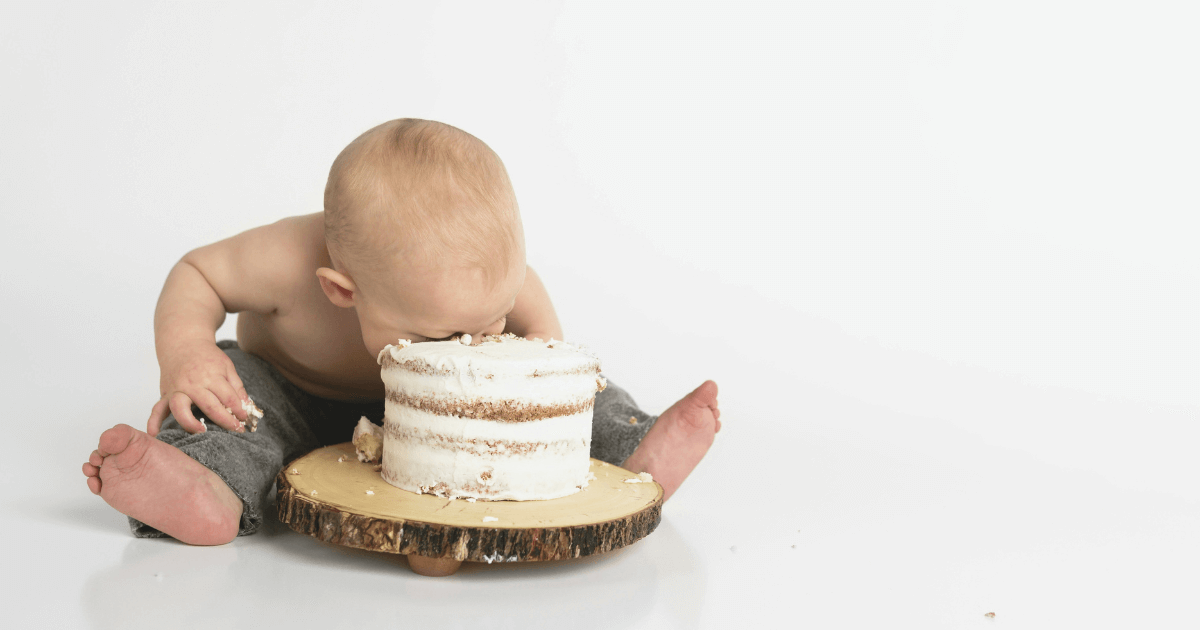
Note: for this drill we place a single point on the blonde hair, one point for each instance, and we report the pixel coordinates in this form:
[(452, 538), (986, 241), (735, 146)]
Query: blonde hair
[(426, 191)]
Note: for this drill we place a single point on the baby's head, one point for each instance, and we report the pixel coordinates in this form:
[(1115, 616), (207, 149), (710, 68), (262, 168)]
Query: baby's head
[(423, 232)]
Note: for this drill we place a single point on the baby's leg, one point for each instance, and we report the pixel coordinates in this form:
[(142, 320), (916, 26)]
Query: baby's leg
[(668, 446), (204, 488), (618, 425)]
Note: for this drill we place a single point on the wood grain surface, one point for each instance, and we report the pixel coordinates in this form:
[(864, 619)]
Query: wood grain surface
[(347, 503)]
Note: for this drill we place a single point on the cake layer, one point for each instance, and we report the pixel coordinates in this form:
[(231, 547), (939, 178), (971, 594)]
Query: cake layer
[(405, 422), (463, 457), (484, 409), (506, 397), (495, 355)]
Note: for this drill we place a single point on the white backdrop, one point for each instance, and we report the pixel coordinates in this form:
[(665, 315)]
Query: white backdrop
[(970, 220)]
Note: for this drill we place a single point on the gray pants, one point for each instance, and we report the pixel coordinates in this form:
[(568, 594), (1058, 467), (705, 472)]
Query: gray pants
[(296, 422)]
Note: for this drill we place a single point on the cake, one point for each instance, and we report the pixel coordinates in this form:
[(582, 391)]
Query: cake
[(368, 441), (506, 419), (253, 414)]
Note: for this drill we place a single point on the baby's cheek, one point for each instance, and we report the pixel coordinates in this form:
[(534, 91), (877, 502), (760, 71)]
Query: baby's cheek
[(376, 340), (495, 329)]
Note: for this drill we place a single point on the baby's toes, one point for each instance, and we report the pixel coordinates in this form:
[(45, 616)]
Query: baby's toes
[(699, 420), (115, 440), (95, 459), (93, 484)]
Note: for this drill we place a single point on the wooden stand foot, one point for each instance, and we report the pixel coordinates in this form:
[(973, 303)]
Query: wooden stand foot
[(432, 567)]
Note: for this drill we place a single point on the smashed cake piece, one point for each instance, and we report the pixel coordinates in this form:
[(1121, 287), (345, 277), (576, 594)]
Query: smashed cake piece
[(253, 414), (642, 477), (368, 440)]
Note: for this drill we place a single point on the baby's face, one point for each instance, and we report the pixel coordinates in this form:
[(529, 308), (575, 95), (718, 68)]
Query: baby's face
[(433, 304)]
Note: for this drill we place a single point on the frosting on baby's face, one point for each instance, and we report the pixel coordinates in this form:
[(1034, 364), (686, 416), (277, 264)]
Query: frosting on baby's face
[(423, 303)]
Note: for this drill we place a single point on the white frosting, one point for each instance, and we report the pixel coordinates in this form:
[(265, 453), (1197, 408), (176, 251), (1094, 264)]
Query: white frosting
[(471, 384), (366, 427), (402, 343), (251, 409), (253, 415), (454, 456), (495, 354), (552, 471)]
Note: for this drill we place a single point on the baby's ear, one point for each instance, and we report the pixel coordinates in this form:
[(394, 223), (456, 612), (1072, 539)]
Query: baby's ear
[(338, 287)]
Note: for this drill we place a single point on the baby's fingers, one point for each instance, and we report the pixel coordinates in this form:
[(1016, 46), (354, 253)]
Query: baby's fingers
[(235, 382), (181, 406), (157, 414), (217, 411), (229, 400)]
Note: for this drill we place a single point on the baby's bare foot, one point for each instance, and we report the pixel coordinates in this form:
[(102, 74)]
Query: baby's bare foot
[(679, 439), (161, 486)]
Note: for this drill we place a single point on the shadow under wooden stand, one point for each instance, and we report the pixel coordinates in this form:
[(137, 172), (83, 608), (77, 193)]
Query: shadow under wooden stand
[(330, 495)]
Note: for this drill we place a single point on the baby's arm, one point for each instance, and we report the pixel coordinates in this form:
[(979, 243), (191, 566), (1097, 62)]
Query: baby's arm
[(241, 273), (533, 315)]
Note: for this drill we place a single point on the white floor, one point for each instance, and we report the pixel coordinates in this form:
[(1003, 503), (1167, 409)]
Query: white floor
[(938, 257), (844, 515)]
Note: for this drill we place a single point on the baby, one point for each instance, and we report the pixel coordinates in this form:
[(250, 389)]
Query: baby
[(420, 239)]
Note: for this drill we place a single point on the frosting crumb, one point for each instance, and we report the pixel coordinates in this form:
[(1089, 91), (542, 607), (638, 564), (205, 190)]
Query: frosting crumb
[(253, 414), (642, 477), (489, 519)]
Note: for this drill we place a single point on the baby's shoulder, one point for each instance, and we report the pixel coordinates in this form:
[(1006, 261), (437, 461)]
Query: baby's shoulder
[(293, 247), (301, 237), (263, 269), (280, 257)]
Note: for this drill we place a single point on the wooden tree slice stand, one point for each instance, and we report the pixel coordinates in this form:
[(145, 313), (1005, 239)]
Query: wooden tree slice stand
[(328, 499)]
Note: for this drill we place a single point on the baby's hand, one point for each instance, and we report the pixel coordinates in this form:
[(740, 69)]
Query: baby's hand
[(202, 375)]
